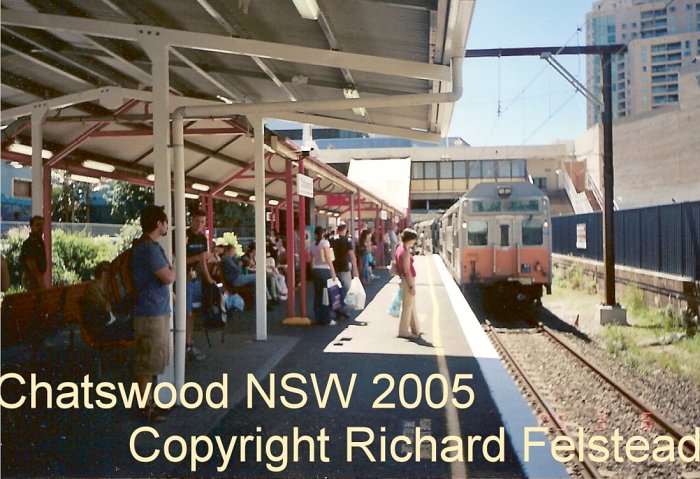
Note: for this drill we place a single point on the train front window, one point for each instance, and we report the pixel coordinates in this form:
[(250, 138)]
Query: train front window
[(477, 233), (505, 235), (486, 206), (532, 232)]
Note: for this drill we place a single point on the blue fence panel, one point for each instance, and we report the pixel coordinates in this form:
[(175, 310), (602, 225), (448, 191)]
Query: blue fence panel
[(659, 238), (670, 228), (631, 238), (691, 239)]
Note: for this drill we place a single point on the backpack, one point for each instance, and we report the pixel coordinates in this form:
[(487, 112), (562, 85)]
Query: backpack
[(120, 286)]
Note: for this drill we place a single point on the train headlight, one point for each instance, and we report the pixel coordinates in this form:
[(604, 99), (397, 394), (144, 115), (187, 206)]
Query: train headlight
[(464, 225), (545, 225)]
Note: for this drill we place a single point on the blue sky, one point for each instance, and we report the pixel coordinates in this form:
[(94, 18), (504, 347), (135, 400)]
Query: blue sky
[(537, 105)]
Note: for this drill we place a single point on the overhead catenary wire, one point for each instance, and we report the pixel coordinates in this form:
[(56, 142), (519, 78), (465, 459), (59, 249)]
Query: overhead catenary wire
[(502, 111)]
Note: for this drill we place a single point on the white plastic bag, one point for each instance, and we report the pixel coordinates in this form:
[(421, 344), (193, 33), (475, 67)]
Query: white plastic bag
[(356, 296)]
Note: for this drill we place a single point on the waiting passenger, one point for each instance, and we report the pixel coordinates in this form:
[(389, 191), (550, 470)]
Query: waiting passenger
[(408, 325), (32, 258), (99, 320), (152, 275)]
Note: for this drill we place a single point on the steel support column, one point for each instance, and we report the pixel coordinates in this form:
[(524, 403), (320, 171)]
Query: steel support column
[(157, 52), (291, 297), (210, 219), (302, 246), (260, 243), (608, 182), (41, 187)]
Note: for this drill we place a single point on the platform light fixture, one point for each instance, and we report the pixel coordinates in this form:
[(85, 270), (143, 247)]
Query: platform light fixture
[(27, 150), (84, 179), (151, 177), (308, 9), (232, 194), (337, 215), (191, 196), (350, 93), (200, 187), (99, 166), (251, 198), (321, 212), (273, 202), (16, 164)]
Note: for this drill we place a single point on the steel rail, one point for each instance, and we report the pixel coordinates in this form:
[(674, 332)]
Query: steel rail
[(590, 468), (658, 418)]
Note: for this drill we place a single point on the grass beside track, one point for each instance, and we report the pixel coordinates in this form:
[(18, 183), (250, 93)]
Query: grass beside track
[(573, 294)]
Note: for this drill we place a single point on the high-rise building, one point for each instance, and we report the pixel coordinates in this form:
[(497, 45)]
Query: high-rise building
[(662, 35)]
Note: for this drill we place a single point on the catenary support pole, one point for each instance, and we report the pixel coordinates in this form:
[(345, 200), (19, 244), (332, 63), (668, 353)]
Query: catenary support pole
[(608, 182)]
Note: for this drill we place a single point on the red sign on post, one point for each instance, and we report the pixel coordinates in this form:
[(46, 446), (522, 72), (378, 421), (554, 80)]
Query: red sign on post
[(337, 200)]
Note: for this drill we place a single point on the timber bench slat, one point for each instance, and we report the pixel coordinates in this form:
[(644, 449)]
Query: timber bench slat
[(30, 317)]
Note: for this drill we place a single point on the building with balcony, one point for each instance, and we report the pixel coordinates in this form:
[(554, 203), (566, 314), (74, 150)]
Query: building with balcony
[(662, 37)]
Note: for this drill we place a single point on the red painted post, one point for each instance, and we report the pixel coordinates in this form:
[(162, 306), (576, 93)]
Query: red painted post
[(48, 276), (302, 246), (291, 297)]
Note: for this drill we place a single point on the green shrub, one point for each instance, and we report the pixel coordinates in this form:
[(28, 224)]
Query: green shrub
[(74, 255), (81, 252)]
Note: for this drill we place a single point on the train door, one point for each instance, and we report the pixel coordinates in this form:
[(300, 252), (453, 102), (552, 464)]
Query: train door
[(504, 250)]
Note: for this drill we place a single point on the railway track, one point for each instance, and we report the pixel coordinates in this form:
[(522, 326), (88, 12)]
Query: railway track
[(574, 397)]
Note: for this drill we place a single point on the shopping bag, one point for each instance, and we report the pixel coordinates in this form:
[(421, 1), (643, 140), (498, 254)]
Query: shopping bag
[(333, 287), (356, 296), (395, 306), (393, 269)]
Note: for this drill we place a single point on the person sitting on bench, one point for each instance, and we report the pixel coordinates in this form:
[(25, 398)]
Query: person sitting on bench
[(231, 270), (99, 320)]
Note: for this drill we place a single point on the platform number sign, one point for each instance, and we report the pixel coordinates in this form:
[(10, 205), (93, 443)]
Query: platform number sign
[(581, 236)]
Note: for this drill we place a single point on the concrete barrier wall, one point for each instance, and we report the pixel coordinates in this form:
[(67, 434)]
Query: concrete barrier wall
[(660, 289)]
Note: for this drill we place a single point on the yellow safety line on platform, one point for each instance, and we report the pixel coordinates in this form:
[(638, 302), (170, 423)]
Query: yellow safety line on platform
[(457, 469)]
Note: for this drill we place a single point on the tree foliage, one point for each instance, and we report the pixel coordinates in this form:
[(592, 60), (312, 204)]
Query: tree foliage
[(127, 200)]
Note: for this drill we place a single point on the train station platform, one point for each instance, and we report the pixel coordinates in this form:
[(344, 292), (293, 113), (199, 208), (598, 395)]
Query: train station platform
[(387, 398)]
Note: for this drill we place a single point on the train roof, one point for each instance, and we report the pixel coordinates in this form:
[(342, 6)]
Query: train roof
[(520, 189)]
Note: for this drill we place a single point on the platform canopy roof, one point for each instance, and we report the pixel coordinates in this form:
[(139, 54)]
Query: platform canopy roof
[(90, 63)]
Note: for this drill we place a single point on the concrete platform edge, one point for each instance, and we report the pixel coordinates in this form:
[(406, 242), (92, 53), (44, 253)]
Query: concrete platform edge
[(515, 412)]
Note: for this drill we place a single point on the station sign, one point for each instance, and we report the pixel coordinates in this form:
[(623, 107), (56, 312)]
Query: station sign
[(305, 186), (581, 236), (383, 215)]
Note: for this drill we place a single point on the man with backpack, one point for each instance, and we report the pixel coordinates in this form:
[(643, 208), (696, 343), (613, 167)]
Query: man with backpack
[(152, 276)]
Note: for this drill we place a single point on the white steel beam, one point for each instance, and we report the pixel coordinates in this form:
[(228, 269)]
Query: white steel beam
[(260, 242), (237, 46), (47, 66), (344, 124), (229, 92), (37, 125), (157, 51)]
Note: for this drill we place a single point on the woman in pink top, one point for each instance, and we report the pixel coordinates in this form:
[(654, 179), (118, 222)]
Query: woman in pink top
[(408, 326)]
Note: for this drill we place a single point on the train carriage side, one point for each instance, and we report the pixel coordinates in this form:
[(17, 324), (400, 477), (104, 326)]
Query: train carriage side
[(507, 241), (450, 240)]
